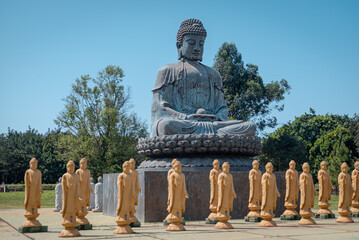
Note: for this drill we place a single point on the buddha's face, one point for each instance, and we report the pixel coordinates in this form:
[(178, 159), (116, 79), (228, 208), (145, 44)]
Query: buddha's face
[(33, 165), (70, 168), (132, 165), (225, 168), (178, 168), (323, 166), (345, 169), (255, 165), (292, 165), (126, 168), (83, 164), (306, 169), (216, 165), (192, 47), (269, 169)]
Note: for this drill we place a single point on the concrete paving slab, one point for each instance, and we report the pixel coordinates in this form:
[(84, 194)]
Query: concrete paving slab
[(103, 227)]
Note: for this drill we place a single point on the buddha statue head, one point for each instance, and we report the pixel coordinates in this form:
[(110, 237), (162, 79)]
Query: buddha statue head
[(91, 179), (269, 168), (173, 162), (132, 164), (292, 165), (83, 163), (177, 167), (70, 166), (33, 164), (99, 179), (225, 167), (190, 40), (255, 164), (344, 167), (305, 167), (60, 178), (323, 165), (126, 167), (215, 164), (356, 165)]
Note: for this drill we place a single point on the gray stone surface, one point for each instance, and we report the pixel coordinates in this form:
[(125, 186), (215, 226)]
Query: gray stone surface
[(152, 203), (194, 144), (237, 163), (110, 194)]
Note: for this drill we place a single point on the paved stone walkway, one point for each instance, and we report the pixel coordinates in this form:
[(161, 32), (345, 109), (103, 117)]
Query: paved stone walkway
[(11, 219)]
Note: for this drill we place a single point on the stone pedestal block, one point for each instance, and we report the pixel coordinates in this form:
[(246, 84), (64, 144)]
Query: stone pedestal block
[(152, 202)]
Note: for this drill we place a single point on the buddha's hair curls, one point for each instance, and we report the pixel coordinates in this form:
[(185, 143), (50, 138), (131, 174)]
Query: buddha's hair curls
[(190, 26)]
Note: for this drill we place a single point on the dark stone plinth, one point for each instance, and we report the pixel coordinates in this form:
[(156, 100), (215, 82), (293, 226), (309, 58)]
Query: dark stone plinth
[(33, 229), (166, 222), (84, 227), (211, 221), (356, 215), (135, 224), (252, 219), (290, 217), (324, 216), (152, 202)]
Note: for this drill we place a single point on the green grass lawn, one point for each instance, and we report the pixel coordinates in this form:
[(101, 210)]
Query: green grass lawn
[(333, 202), (16, 199)]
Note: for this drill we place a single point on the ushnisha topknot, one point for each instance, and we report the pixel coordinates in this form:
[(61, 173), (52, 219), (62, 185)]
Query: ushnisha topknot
[(190, 26)]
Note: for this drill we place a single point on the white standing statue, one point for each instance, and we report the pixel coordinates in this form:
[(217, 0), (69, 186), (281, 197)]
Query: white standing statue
[(98, 195), (58, 197), (92, 196)]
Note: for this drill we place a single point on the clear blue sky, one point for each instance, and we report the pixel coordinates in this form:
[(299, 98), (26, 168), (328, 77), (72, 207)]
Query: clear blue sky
[(46, 45)]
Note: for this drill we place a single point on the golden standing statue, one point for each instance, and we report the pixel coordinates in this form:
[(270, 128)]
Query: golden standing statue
[(33, 191), (345, 195), (325, 191), (255, 192), (269, 197), (177, 194), (136, 184), (125, 199), (226, 195), (70, 201), (307, 194), (355, 183), (291, 193), (213, 201), (172, 170), (85, 188)]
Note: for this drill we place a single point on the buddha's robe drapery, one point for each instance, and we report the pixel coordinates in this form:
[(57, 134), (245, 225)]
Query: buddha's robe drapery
[(180, 90)]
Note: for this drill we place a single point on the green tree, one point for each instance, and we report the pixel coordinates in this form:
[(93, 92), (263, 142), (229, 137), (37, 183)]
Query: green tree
[(280, 147), (52, 166), (98, 123), (17, 149), (313, 138), (334, 148), (247, 96)]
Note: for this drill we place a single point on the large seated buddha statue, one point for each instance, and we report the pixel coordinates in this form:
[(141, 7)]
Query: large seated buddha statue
[(189, 113), (188, 95)]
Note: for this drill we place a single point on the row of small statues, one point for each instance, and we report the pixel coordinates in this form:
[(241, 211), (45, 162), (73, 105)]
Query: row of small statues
[(264, 192), (96, 197), (263, 195), (76, 191)]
